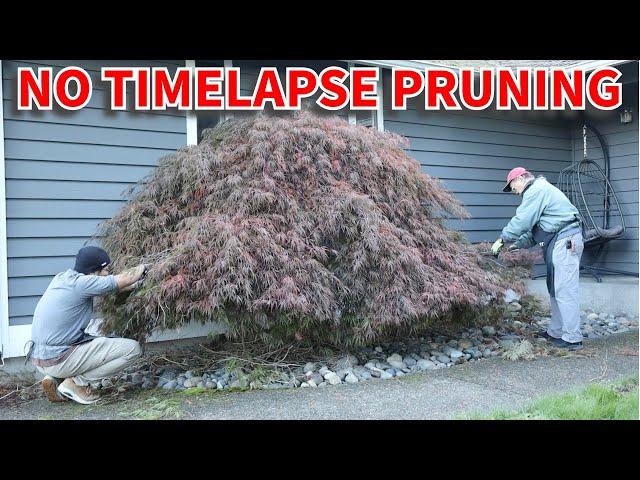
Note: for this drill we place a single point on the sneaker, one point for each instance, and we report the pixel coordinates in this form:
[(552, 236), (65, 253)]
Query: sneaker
[(560, 343), (50, 387), (544, 334), (77, 393)]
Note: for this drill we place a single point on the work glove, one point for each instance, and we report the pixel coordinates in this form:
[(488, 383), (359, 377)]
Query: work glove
[(512, 248), (497, 245)]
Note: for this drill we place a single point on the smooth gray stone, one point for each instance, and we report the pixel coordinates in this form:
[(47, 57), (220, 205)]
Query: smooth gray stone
[(425, 364)]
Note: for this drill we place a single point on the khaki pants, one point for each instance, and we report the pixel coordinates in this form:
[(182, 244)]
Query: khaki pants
[(95, 360)]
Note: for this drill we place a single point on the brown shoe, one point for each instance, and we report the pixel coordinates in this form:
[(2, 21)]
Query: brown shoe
[(79, 394), (50, 387)]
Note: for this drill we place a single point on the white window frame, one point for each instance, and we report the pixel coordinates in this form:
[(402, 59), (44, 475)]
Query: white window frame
[(14, 338), (352, 114), (192, 115), (226, 115), (377, 115), (4, 275)]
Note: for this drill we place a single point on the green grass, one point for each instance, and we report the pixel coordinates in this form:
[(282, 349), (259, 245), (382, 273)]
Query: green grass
[(194, 391), (611, 401), (154, 408)]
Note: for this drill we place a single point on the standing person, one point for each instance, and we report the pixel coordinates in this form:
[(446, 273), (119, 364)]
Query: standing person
[(547, 217), (61, 349)]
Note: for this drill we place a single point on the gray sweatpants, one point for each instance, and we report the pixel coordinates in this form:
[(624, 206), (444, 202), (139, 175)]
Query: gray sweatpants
[(95, 360), (565, 307)]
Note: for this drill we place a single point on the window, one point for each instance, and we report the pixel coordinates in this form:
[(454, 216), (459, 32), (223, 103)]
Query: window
[(199, 120), (370, 118), (365, 118)]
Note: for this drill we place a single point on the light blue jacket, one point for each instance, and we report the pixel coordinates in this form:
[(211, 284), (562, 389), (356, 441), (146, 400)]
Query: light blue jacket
[(542, 204)]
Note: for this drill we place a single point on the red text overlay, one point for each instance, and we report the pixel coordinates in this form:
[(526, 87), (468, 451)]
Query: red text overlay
[(334, 88)]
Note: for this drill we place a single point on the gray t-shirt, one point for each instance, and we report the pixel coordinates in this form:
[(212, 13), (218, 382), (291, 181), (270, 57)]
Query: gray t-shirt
[(65, 310)]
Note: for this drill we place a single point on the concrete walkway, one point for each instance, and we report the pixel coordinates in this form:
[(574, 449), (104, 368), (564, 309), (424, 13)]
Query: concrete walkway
[(478, 387)]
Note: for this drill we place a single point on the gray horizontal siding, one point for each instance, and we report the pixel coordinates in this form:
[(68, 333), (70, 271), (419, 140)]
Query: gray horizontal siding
[(29, 208), (168, 120), (23, 306), (493, 149), (82, 153), (46, 170), (474, 134), (91, 116), (99, 98), (491, 121), (482, 161), (55, 227), (28, 286), (37, 266), (64, 133), (472, 152), (68, 171), (44, 247), (66, 189), (622, 139), (26, 320)]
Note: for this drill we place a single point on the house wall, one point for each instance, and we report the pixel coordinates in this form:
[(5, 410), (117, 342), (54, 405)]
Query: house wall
[(471, 152), (622, 139), (67, 171)]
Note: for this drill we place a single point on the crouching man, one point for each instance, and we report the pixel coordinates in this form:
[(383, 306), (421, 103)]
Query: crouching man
[(69, 357)]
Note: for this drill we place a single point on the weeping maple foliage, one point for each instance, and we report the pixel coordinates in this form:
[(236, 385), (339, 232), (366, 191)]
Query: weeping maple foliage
[(296, 227)]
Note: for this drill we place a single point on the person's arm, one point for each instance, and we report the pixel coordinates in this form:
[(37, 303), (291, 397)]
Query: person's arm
[(131, 287), (525, 241), (129, 277), (95, 285), (527, 215)]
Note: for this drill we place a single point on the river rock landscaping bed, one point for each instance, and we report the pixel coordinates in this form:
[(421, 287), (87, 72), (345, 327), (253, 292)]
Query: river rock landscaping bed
[(387, 360)]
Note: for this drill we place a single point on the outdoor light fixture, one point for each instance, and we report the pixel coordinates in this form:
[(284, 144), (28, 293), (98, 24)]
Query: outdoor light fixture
[(625, 116)]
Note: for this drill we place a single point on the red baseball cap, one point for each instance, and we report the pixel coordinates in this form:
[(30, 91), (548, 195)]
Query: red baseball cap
[(516, 172)]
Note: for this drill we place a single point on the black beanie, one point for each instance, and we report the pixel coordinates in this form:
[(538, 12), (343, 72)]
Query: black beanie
[(91, 259)]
